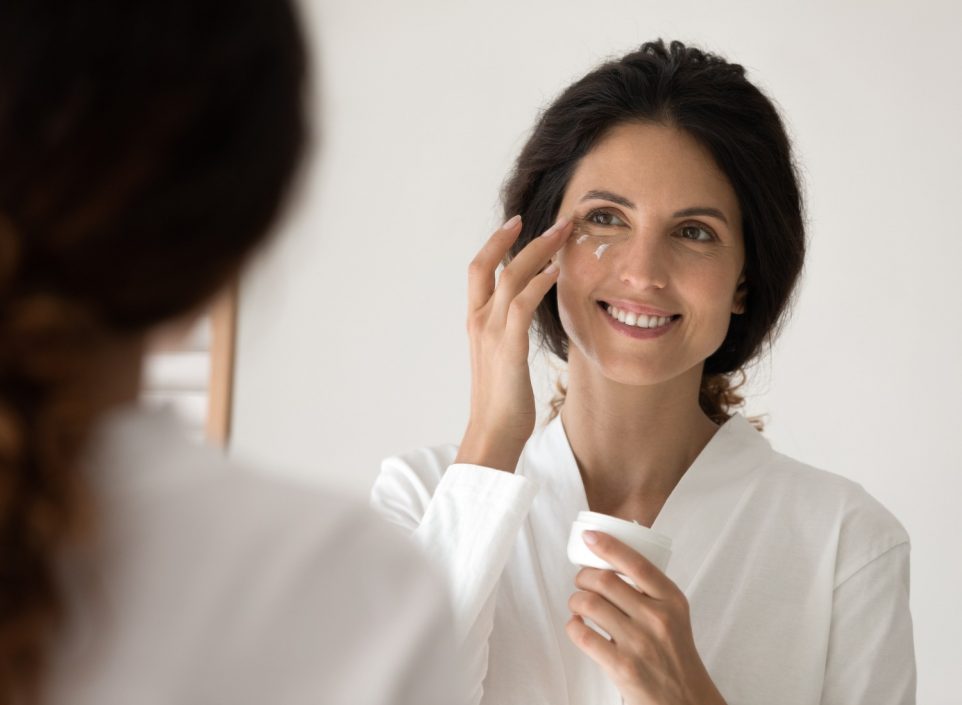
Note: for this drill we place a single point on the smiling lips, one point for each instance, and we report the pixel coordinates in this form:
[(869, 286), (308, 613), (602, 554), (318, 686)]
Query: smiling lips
[(639, 320)]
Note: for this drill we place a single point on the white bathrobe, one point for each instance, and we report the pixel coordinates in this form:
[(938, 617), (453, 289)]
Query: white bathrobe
[(210, 584), (798, 580)]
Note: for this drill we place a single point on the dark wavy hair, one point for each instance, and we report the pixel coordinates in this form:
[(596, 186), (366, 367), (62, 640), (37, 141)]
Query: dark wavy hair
[(145, 149), (711, 100)]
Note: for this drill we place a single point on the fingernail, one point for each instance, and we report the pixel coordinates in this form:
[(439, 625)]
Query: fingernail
[(559, 224), (551, 268), (512, 221), (590, 537)]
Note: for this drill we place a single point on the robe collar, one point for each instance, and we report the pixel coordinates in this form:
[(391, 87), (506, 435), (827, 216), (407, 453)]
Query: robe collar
[(695, 514)]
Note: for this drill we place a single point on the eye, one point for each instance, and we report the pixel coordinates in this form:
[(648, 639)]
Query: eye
[(603, 218), (696, 233)]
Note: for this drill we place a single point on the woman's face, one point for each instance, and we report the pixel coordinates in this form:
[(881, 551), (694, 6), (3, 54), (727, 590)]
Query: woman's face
[(658, 230)]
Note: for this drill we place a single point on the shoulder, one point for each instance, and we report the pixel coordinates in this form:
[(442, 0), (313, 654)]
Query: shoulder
[(216, 517), (226, 517), (248, 568), (828, 494), (317, 577), (846, 517), (311, 534)]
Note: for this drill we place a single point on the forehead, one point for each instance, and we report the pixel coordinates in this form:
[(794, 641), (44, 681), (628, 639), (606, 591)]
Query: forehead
[(656, 167)]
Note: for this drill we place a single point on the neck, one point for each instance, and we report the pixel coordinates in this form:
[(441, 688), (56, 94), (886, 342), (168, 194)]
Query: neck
[(632, 443)]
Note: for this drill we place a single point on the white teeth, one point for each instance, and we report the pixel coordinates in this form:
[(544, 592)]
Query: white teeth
[(639, 320)]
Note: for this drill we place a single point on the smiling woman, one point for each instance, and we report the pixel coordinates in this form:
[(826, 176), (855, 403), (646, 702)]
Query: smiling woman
[(646, 171), (676, 244)]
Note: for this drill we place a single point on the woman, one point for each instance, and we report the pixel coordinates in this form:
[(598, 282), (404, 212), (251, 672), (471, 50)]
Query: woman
[(677, 242), (144, 152)]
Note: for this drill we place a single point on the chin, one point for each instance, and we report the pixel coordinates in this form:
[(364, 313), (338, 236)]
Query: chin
[(636, 370), (636, 373)]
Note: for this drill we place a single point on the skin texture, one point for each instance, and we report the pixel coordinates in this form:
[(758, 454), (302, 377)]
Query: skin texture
[(631, 413)]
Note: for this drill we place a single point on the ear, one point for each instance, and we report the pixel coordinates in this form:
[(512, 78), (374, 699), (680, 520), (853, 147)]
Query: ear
[(741, 293)]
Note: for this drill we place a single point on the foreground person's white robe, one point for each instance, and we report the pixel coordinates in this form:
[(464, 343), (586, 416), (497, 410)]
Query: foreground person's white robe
[(208, 584), (798, 580)]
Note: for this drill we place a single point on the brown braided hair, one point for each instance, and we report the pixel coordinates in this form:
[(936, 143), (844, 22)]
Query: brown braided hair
[(712, 100), (145, 148)]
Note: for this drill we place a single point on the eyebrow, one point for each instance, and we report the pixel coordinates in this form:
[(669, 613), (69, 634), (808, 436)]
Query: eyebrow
[(683, 213)]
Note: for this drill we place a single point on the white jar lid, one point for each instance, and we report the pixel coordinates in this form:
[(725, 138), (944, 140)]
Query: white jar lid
[(652, 545), (609, 524)]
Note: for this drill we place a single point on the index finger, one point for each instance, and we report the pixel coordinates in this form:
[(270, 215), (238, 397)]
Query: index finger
[(482, 268), (626, 560)]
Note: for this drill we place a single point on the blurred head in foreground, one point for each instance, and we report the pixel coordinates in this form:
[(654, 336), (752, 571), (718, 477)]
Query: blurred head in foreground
[(145, 150)]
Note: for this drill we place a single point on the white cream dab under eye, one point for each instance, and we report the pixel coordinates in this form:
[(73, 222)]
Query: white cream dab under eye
[(600, 250)]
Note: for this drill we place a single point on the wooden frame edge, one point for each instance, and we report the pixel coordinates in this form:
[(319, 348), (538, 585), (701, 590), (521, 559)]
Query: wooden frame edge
[(223, 327)]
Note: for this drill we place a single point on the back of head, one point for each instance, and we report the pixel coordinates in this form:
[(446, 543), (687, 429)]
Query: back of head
[(145, 149), (712, 100)]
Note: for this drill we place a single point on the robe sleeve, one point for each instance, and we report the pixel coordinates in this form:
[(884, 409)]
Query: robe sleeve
[(871, 657), (466, 518)]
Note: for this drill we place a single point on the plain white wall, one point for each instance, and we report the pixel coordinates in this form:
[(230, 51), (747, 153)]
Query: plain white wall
[(351, 332)]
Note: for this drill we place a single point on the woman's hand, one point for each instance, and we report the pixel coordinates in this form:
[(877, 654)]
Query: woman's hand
[(651, 656), (502, 400)]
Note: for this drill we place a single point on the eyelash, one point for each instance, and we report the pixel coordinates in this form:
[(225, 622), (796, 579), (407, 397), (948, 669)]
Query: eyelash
[(602, 211), (599, 211), (711, 234)]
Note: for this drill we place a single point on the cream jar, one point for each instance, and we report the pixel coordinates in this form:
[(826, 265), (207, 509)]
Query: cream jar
[(652, 545)]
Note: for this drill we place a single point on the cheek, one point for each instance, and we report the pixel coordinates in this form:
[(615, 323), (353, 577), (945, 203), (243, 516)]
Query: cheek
[(710, 294), (566, 298), (578, 276), (583, 248), (576, 280), (581, 262)]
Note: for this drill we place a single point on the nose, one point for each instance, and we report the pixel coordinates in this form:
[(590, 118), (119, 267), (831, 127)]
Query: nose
[(643, 262)]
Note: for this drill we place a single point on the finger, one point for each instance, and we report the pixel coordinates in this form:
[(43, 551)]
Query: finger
[(585, 603), (527, 263), (600, 650), (482, 268), (627, 561), (613, 588), (521, 310)]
